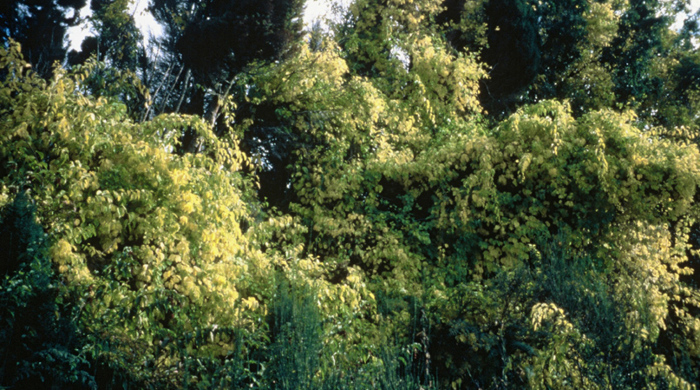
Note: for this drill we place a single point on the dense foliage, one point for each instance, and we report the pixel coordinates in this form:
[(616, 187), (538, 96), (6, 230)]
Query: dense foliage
[(492, 194)]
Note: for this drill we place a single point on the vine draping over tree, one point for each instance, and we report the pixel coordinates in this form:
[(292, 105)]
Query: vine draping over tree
[(496, 194)]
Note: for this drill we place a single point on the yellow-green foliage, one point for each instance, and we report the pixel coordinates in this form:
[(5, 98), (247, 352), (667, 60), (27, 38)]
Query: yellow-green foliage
[(399, 182), (148, 240), (548, 250), (429, 210), (129, 218), (103, 183)]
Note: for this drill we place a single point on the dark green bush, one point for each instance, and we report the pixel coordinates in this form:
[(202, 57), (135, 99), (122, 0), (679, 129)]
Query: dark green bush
[(39, 345)]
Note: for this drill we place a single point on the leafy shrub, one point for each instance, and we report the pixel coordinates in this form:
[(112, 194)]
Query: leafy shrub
[(39, 344)]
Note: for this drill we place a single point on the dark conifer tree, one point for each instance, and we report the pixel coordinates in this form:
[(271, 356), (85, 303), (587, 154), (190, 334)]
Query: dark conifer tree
[(40, 26)]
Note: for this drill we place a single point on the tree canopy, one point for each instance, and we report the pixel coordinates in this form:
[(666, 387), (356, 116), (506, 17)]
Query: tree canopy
[(496, 194)]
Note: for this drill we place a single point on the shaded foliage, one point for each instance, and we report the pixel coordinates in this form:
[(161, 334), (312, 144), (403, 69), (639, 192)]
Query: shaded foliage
[(39, 343)]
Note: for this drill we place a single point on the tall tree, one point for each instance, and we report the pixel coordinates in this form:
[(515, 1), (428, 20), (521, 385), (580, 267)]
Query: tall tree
[(117, 40), (594, 53), (40, 26), (214, 40), (507, 35), (207, 44), (119, 52)]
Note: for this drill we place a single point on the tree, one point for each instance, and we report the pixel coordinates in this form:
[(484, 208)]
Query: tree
[(117, 42), (506, 34), (40, 26), (595, 54), (209, 43)]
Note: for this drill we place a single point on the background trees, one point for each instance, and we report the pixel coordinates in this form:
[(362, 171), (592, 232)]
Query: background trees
[(41, 27), (439, 195)]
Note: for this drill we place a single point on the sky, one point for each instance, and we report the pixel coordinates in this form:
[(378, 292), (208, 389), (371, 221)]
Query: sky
[(694, 5), (150, 28)]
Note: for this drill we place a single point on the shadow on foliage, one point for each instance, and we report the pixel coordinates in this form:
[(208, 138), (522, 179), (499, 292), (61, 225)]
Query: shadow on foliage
[(39, 345)]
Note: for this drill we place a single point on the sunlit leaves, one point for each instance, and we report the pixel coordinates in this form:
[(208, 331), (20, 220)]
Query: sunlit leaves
[(113, 196), (551, 246)]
